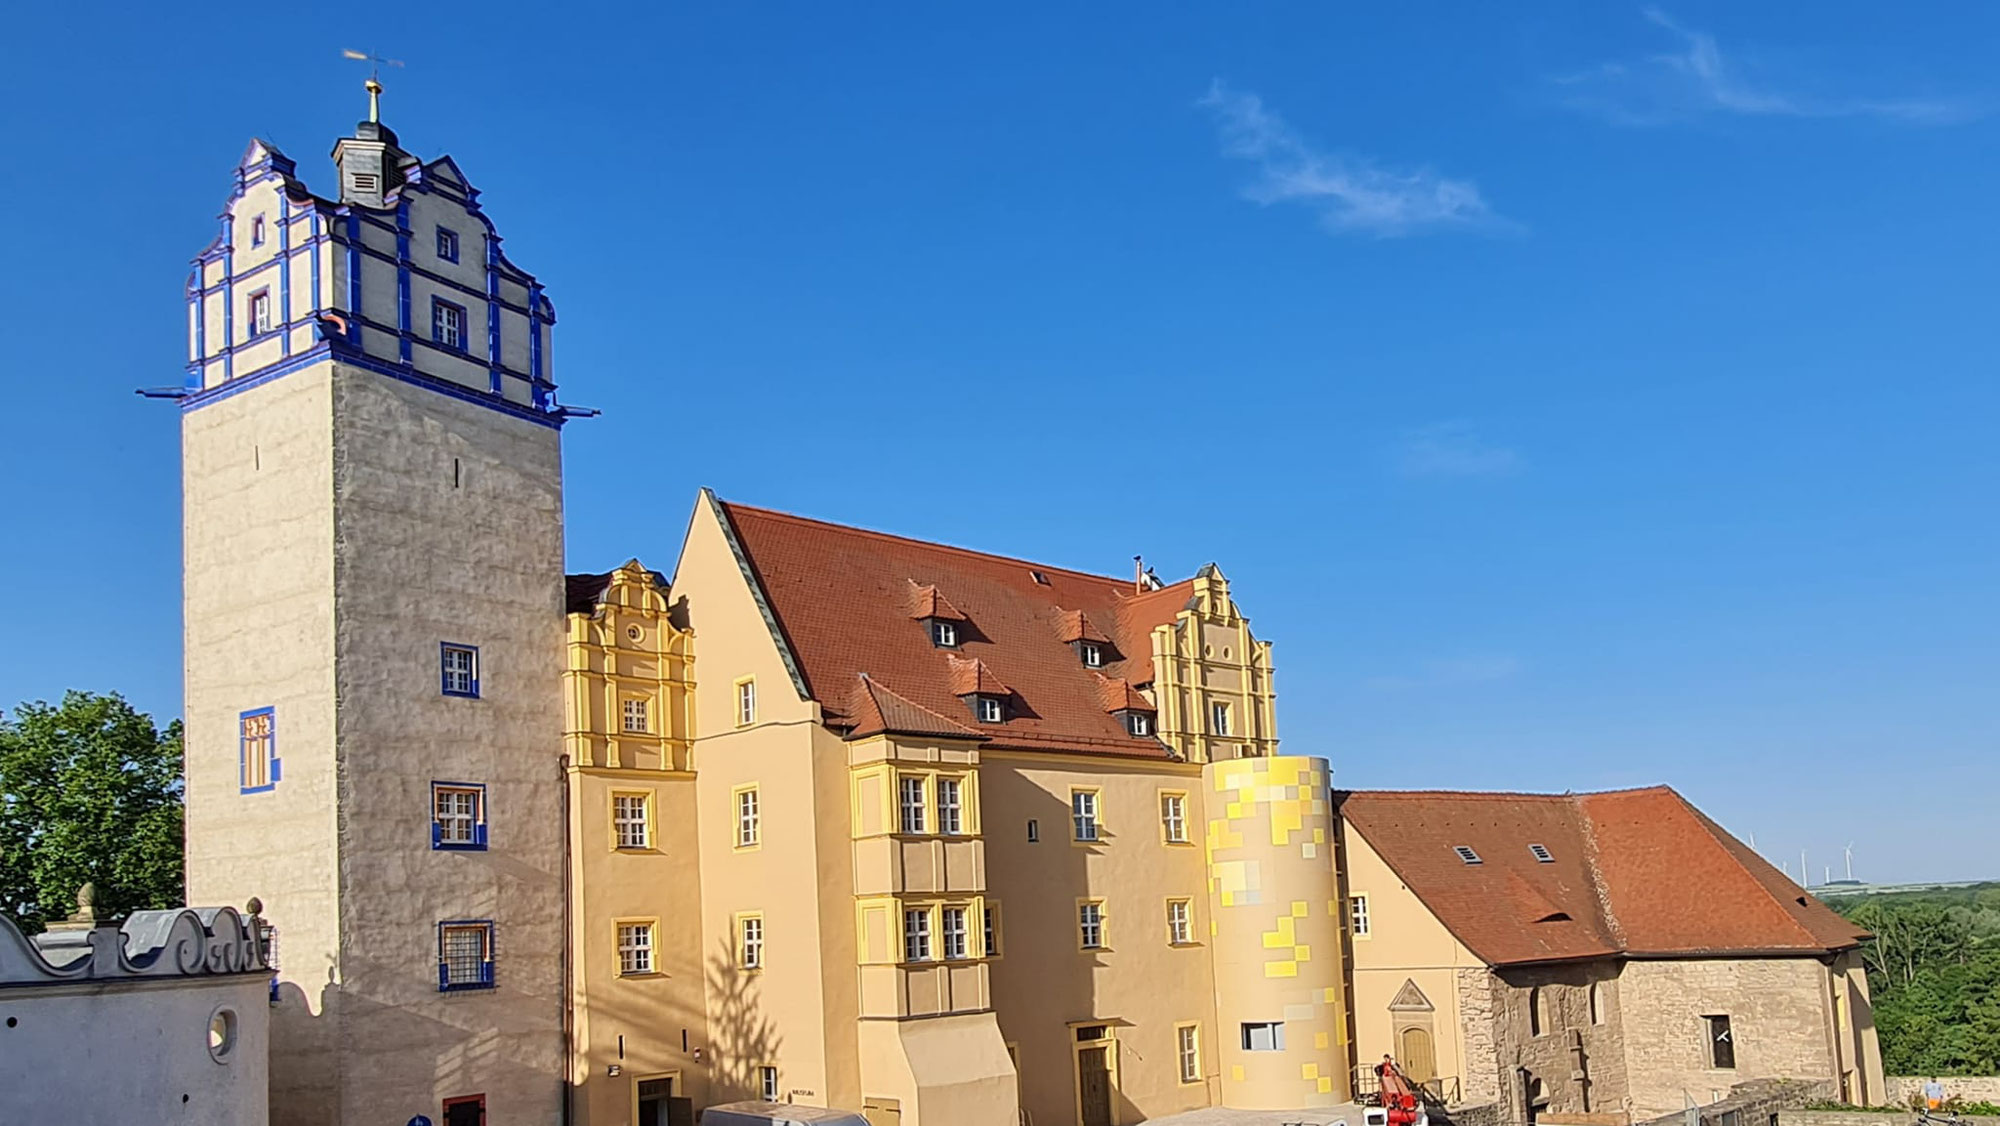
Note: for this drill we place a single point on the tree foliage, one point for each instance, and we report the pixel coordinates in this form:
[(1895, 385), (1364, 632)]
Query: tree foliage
[(90, 791), (1934, 975)]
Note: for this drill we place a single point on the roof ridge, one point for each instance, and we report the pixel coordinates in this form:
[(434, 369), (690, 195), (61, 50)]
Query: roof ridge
[(1510, 795), (1123, 584), (1600, 889)]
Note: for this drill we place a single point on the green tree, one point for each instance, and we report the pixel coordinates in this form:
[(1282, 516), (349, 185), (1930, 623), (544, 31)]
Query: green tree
[(90, 790)]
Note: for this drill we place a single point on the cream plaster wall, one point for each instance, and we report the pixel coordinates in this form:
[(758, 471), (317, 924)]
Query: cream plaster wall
[(1407, 943), (635, 1023), (775, 1016), (1043, 984), (257, 480)]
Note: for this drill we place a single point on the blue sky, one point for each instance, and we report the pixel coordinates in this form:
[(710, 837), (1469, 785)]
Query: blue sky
[(1579, 397)]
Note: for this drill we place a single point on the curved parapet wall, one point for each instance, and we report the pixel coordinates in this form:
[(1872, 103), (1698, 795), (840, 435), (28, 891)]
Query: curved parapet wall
[(1274, 907)]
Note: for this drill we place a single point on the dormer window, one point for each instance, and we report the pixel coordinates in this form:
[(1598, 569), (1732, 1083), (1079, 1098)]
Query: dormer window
[(1138, 724), (944, 634), (1092, 653), (989, 709), (447, 244)]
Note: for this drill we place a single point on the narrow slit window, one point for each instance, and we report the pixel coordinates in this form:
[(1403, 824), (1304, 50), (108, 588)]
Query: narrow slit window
[(951, 818)]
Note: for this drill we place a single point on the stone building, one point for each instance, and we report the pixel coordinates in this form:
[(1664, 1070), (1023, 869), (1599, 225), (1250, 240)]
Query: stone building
[(1591, 958), (373, 588), (162, 1019)]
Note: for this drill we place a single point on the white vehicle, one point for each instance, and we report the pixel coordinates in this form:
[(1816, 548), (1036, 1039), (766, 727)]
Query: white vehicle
[(778, 1114)]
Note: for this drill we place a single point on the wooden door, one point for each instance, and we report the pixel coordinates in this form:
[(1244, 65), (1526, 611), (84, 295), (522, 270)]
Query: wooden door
[(1419, 1057), (1093, 1075)]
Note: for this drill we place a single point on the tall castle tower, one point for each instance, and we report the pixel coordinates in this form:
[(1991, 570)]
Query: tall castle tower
[(374, 635)]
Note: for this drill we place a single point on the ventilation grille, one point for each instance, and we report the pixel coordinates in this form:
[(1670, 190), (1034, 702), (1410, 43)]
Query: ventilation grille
[(1466, 854), (1542, 853)]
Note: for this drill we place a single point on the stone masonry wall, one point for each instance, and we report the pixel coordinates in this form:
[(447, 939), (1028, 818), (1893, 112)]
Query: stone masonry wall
[(1476, 1007), (1967, 1088), (1861, 1118), (1579, 1056), (1779, 1021)]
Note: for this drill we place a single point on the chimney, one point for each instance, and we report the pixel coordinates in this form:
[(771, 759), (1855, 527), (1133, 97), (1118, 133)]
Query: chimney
[(1139, 574)]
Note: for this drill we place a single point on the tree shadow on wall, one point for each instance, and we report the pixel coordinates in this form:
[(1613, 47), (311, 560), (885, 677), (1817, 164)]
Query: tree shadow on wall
[(742, 1036)]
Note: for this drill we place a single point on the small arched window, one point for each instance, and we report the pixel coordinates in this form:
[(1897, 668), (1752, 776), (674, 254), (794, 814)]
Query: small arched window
[(1597, 1002), (1538, 1013)]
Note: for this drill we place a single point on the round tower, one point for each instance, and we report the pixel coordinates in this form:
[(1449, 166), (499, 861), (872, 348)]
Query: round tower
[(1274, 907)]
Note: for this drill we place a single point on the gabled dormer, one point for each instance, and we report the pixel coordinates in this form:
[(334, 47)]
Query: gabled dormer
[(986, 694), (943, 623), (1129, 707), (1091, 645)]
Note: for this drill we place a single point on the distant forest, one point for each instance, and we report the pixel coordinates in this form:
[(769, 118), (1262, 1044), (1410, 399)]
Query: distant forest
[(1934, 975)]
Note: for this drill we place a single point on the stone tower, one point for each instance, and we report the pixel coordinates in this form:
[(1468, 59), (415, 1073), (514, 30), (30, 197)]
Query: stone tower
[(374, 631)]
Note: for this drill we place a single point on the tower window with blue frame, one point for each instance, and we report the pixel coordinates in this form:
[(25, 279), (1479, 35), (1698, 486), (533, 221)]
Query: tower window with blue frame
[(447, 244), (458, 667), (465, 955), (448, 324), (458, 816), (257, 750)]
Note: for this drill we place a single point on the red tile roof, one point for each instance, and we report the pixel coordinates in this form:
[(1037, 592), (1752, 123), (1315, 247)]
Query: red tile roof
[(971, 677), (931, 604), (1075, 625), (843, 602), (878, 711), (1633, 873)]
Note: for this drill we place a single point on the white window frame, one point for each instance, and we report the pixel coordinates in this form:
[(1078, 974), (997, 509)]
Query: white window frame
[(635, 948), (260, 312), (767, 1082), (1173, 818), (989, 929), (448, 822), (1138, 724), (750, 941), (1357, 915), (944, 634), (950, 810), (749, 817), (637, 710), (952, 928), (1090, 925), (1093, 654), (1218, 718), (1187, 1049), (448, 324), (746, 703), (632, 832), (460, 669), (1085, 826), (1180, 922), (990, 710), (917, 935), (910, 804)]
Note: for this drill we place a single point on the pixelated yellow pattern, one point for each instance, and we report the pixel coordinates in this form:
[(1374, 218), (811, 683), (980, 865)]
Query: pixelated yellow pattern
[(1325, 1085), (1236, 1073), (1309, 1071)]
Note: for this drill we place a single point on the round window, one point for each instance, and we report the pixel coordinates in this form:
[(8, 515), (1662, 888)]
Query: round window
[(222, 1034), (634, 632)]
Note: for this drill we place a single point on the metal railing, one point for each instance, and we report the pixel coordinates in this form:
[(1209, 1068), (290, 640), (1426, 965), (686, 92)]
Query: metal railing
[(1440, 1091)]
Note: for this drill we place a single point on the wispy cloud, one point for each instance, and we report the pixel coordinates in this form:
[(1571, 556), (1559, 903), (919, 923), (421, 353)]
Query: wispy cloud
[(1352, 194), (1452, 449), (1456, 672), (1697, 79)]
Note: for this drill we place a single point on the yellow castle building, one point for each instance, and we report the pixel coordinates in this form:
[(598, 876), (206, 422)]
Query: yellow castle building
[(824, 816), (828, 817)]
